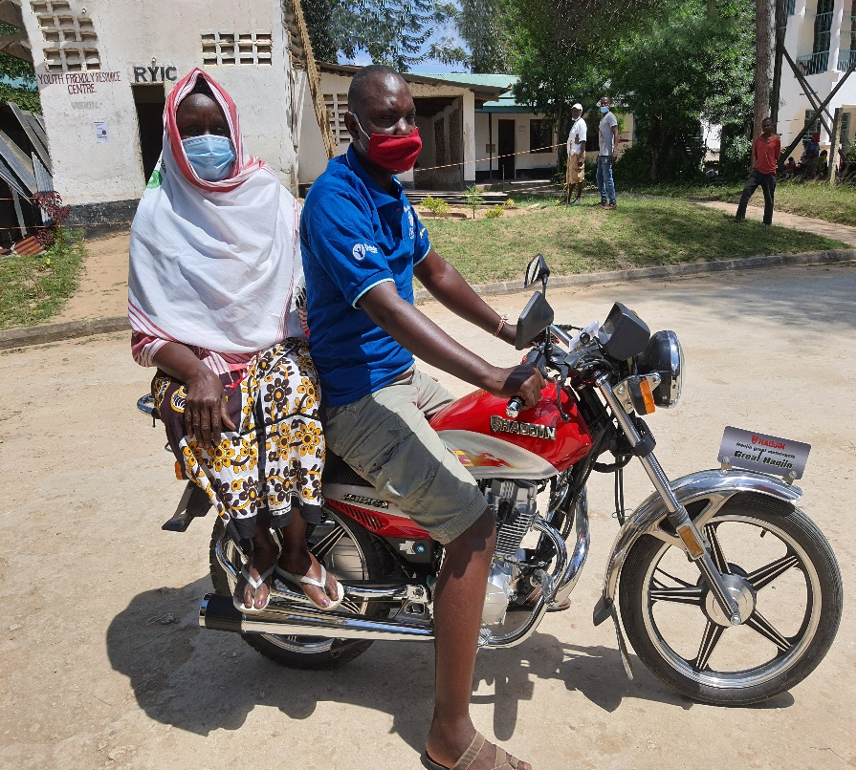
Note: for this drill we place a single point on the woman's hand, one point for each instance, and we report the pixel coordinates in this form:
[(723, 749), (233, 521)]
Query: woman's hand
[(205, 409), (205, 406)]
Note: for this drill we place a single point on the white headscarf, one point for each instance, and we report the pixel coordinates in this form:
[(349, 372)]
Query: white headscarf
[(214, 264)]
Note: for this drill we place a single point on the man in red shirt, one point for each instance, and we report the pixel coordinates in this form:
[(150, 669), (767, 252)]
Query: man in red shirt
[(765, 154)]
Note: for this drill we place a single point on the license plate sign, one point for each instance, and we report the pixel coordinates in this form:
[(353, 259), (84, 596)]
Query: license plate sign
[(760, 452)]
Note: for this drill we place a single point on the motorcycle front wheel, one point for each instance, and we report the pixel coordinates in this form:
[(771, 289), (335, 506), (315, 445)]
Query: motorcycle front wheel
[(779, 567), (345, 550)]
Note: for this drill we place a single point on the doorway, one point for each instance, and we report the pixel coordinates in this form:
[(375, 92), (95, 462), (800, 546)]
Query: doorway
[(505, 147), (149, 100)]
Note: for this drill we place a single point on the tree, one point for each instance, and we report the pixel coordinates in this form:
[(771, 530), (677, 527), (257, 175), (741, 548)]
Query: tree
[(671, 65), (482, 23), (679, 68), (398, 34), (17, 78), (765, 48), (320, 16)]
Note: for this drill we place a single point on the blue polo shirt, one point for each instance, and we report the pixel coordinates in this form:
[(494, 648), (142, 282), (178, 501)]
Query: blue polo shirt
[(355, 235)]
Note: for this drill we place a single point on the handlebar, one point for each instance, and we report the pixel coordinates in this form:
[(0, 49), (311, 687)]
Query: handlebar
[(534, 357)]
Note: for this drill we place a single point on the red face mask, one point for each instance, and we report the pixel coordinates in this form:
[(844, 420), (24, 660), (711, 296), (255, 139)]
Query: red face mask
[(395, 153)]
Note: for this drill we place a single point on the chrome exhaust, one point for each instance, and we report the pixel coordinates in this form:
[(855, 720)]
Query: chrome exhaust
[(220, 614)]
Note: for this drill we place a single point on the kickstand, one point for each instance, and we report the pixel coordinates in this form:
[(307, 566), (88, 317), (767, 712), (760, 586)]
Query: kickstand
[(622, 647)]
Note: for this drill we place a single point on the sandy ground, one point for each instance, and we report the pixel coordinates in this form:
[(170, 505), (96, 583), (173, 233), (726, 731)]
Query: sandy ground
[(103, 665)]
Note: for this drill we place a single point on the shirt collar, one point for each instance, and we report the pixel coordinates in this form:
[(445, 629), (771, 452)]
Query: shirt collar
[(380, 197)]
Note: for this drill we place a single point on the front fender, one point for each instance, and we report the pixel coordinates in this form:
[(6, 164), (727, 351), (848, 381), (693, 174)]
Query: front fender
[(716, 486)]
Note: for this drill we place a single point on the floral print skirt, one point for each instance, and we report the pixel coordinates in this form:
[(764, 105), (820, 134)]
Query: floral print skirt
[(275, 458)]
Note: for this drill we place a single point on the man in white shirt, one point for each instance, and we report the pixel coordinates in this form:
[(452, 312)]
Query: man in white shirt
[(576, 155), (607, 154)]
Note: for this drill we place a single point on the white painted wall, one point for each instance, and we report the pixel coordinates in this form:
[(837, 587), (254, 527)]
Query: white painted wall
[(145, 33)]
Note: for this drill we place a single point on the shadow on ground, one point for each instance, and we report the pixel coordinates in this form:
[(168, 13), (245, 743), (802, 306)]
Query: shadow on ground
[(200, 681)]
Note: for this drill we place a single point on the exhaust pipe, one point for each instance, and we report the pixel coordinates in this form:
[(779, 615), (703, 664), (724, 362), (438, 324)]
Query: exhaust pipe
[(220, 614)]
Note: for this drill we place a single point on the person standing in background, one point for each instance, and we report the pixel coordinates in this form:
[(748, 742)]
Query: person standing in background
[(608, 154), (765, 154), (576, 155)]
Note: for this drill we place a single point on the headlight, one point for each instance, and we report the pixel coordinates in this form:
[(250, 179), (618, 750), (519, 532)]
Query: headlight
[(664, 356)]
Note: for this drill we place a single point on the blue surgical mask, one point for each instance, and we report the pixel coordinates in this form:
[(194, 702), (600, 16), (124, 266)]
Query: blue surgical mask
[(604, 109), (211, 156)]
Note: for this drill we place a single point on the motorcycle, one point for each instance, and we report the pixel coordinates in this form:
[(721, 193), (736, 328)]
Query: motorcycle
[(725, 590)]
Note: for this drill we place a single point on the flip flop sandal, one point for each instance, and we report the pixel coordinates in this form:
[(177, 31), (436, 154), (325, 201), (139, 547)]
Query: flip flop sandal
[(302, 580), (504, 760), (256, 584)]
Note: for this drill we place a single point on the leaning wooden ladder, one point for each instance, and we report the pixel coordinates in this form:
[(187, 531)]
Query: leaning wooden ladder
[(301, 47)]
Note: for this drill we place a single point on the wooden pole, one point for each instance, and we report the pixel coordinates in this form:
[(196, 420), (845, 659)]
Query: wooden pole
[(823, 104), (833, 149)]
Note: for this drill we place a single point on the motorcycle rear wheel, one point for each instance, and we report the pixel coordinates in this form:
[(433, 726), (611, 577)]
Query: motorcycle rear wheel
[(788, 582), (349, 553)]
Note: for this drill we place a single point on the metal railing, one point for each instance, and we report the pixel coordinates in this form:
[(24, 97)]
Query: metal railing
[(846, 59), (814, 63)]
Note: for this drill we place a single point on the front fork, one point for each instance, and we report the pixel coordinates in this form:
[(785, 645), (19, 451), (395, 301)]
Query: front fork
[(643, 448)]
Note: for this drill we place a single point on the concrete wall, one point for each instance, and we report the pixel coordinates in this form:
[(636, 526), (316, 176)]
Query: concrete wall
[(798, 42), (89, 55)]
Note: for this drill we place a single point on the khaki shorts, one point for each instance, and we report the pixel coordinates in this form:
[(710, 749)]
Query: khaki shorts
[(575, 173), (386, 438)]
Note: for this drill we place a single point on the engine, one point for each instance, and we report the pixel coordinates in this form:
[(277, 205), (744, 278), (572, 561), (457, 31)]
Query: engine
[(514, 506)]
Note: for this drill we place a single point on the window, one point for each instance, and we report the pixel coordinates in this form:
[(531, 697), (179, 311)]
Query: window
[(337, 106), (222, 48), (815, 128), (823, 26), (71, 39), (540, 136), (845, 128)]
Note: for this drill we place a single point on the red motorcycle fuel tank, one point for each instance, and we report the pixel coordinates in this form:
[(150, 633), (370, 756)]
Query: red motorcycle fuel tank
[(540, 431)]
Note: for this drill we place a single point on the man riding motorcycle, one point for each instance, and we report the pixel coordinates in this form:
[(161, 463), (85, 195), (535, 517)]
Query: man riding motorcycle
[(362, 244)]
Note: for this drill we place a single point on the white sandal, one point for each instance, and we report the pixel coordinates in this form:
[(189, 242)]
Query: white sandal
[(302, 580), (255, 584)]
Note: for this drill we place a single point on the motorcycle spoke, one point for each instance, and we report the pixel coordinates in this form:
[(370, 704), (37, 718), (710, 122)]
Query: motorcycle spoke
[(716, 549), (765, 575), (712, 635), (352, 606), (757, 622), (328, 542), (677, 590)]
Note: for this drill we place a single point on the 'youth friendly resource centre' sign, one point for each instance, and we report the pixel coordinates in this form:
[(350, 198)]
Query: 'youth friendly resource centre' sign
[(768, 454)]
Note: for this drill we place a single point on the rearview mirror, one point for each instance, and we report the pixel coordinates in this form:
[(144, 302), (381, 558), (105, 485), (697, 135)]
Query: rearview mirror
[(536, 270), (535, 318)]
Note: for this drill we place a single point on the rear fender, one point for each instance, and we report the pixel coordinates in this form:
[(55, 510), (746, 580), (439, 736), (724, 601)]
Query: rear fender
[(715, 486)]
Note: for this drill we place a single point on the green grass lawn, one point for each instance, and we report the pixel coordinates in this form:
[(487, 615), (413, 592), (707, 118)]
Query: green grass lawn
[(808, 199), (584, 239), (32, 289)]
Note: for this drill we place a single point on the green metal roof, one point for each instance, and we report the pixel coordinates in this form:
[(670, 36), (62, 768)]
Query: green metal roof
[(504, 103)]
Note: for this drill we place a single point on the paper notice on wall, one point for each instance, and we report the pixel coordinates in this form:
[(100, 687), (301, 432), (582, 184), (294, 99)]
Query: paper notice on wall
[(101, 132)]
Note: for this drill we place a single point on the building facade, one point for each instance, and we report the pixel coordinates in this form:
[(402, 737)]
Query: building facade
[(446, 108), (821, 38), (105, 67)]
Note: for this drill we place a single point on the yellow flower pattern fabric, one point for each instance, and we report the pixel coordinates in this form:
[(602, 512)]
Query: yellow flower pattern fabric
[(276, 456)]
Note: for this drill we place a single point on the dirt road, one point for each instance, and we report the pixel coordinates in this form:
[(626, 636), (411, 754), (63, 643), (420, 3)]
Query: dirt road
[(103, 665)]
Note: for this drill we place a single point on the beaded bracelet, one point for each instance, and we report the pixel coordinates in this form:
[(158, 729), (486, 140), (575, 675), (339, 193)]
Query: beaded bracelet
[(502, 320)]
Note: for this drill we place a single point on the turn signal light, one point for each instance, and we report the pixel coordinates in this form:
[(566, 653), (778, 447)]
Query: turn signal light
[(642, 395)]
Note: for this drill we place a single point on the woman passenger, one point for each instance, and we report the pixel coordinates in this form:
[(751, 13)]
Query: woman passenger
[(213, 292)]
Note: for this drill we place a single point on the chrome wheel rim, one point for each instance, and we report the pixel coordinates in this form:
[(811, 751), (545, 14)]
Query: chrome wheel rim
[(771, 576)]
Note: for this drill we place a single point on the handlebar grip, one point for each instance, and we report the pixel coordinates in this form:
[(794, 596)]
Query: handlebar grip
[(514, 407)]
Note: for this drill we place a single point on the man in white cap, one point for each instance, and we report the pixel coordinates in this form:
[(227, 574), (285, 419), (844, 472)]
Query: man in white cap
[(576, 155)]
